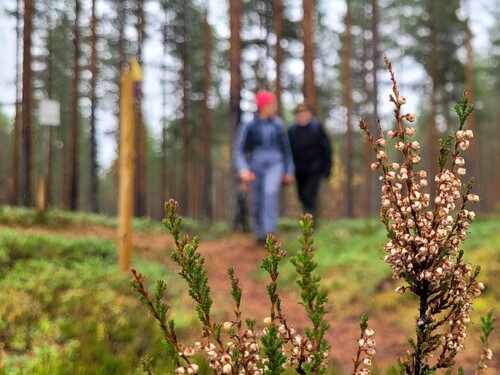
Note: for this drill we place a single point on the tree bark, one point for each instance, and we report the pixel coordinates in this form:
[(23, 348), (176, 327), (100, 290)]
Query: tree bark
[(17, 119), (237, 205), (185, 188), (207, 185), (94, 186), (347, 98), (474, 168), (432, 137), (278, 29), (308, 40), (73, 177), (140, 200), (375, 184), (49, 130), (27, 110), (163, 163)]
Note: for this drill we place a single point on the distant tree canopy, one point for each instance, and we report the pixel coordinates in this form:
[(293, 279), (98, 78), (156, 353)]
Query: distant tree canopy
[(185, 123)]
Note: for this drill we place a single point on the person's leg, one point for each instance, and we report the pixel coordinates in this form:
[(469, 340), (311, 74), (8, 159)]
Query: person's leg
[(309, 192), (270, 208), (301, 180), (256, 204)]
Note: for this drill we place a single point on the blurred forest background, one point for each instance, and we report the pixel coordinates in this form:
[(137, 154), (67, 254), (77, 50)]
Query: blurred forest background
[(203, 61)]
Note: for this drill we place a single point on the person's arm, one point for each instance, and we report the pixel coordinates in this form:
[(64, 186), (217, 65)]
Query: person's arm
[(287, 153), (326, 151), (240, 160)]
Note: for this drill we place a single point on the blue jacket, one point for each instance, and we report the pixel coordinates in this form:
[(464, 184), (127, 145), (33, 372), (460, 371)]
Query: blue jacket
[(262, 142)]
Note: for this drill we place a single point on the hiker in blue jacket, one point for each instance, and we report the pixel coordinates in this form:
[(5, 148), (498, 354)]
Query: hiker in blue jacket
[(264, 161), (312, 156)]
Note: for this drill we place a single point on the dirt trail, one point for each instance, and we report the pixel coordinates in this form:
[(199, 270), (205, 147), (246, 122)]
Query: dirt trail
[(241, 252)]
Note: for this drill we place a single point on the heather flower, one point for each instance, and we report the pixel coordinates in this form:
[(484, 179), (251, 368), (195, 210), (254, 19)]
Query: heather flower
[(409, 131), (423, 247), (392, 134), (410, 117)]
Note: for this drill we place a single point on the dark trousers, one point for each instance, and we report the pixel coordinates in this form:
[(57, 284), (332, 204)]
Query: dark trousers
[(308, 186)]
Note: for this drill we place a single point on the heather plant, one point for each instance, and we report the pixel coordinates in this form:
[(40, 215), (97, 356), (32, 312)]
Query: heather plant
[(237, 346), (425, 233)]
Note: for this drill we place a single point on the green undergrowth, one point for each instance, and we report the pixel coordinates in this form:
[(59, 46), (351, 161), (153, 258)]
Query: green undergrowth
[(55, 219), (67, 310)]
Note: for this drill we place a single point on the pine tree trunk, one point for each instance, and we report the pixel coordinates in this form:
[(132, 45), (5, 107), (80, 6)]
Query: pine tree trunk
[(73, 177), (17, 119), (237, 205), (49, 130), (163, 162), (140, 200), (473, 168), (207, 185), (308, 40), (278, 29), (347, 85), (432, 137), (374, 183), (94, 187), (184, 192), (27, 110), (368, 116)]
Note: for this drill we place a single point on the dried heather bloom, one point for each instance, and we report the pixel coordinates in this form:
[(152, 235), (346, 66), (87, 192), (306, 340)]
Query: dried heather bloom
[(423, 247), (366, 349)]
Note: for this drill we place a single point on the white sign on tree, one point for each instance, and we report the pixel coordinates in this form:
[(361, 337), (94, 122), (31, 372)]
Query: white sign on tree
[(50, 112)]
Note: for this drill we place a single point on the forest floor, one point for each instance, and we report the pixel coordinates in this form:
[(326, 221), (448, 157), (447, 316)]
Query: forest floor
[(240, 251)]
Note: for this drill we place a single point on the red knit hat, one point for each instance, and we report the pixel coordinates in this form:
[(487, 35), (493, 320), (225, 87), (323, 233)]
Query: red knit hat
[(263, 98)]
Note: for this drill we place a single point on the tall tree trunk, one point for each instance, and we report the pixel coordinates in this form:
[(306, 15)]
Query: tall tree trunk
[(49, 130), (347, 86), (237, 205), (27, 111), (122, 57), (94, 187), (265, 13), (185, 189), (374, 182), (163, 162), (278, 29), (495, 197), (368, 116), (207, 186), (308, 40), (432, 131), (17, 118), (140, 200), (473, 168), (73, 193)]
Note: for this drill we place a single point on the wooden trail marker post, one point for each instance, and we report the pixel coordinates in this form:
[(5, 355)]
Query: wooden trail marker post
[(131, 78)]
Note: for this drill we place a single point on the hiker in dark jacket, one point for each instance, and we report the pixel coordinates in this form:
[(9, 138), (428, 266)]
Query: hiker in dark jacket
[(312, 156), (263, 161)]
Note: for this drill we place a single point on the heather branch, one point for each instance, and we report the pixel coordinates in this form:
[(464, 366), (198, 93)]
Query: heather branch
[(158, 310), (271, 341), (366, 348), (313, 298), (192, 269), (487, 322), (423, 247)]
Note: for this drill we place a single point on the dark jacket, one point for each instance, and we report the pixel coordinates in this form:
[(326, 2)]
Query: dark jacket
[(311, 148)]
